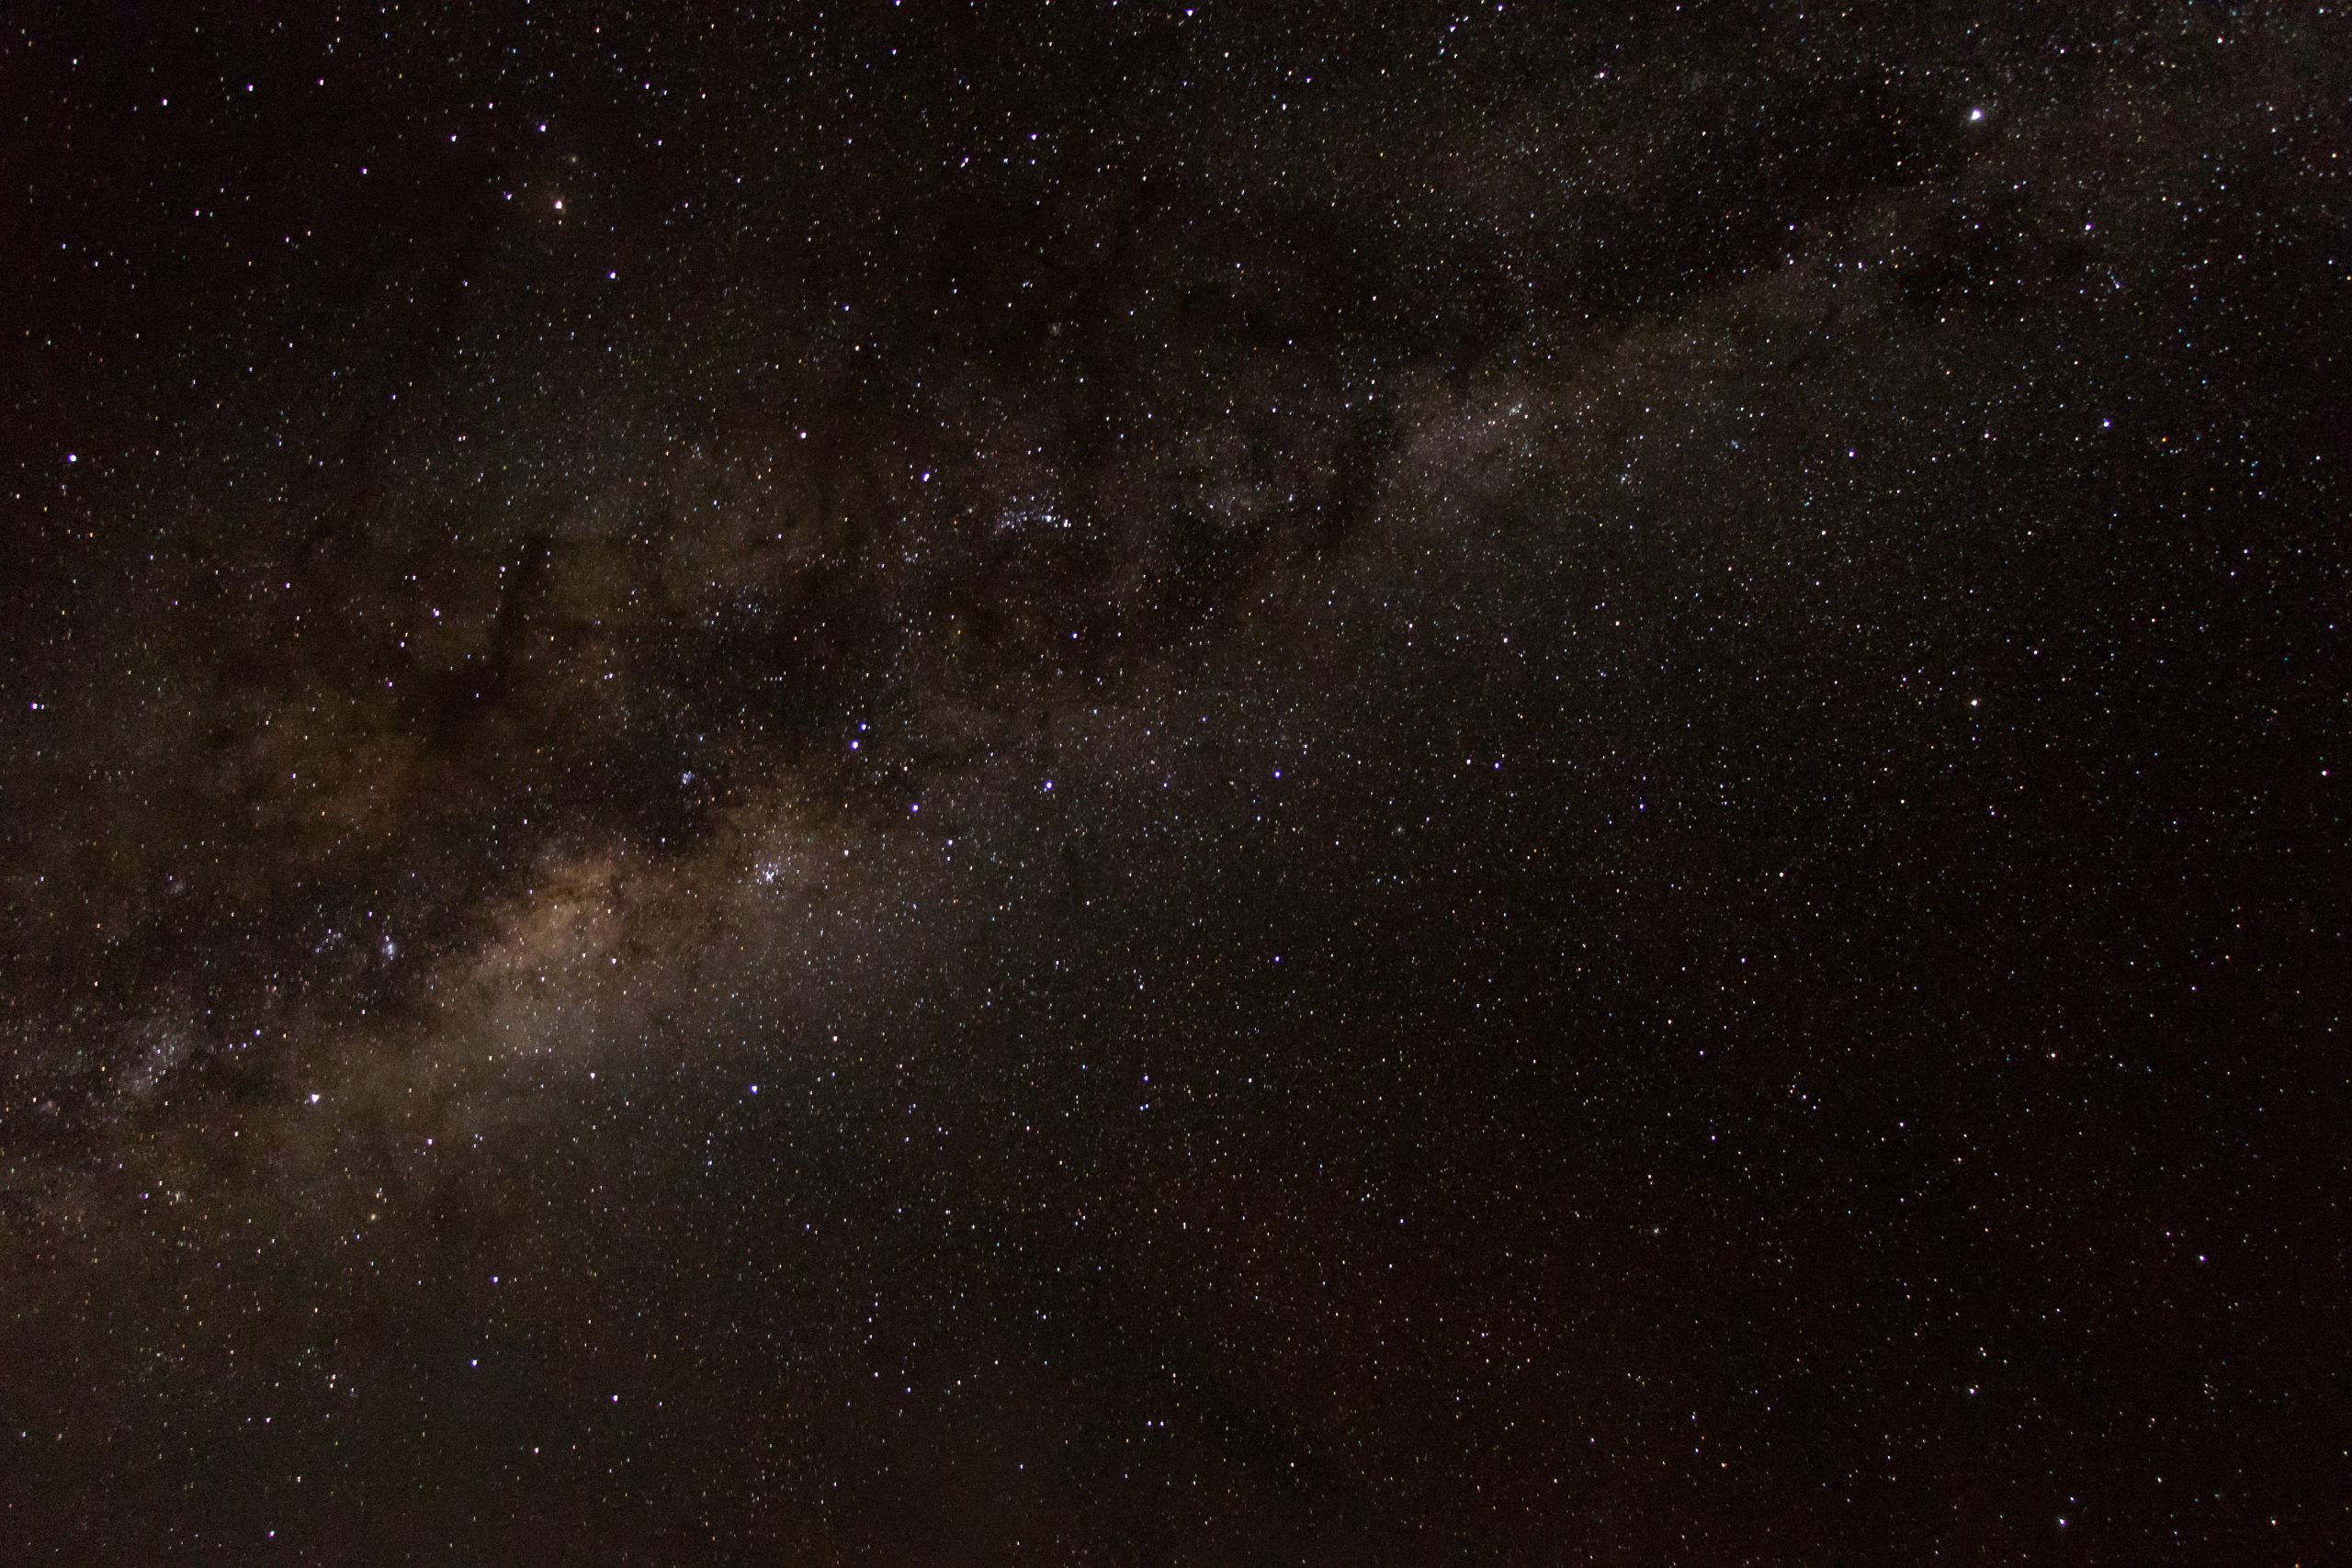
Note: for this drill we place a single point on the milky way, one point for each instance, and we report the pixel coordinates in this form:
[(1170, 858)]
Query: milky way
[(1151, 783)]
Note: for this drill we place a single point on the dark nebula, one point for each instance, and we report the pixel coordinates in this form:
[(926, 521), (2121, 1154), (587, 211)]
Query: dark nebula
[(1132, 782)]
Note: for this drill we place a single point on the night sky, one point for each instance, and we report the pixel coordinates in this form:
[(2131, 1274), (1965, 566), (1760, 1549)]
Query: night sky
[(1148, 782)]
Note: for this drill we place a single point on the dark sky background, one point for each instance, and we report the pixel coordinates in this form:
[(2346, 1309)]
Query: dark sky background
[(1150, 782)]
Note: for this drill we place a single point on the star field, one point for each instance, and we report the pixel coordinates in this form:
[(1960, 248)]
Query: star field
[(1141, 782)]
